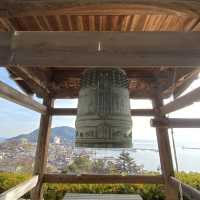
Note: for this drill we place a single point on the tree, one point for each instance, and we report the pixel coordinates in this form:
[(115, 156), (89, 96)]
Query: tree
[(80, 165), (99, 166), (127, 165)]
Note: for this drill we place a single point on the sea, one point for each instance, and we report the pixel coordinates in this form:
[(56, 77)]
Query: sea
[(146, 153)]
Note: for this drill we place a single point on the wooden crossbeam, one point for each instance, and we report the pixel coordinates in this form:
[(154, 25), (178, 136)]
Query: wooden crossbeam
[(176, 123), (179, 81), (19, 190), (105, 49), (73, 111), (142, 112), (32, 78), (182, 102), (64, 111), (17, 97), (101, 179), (188, 191)]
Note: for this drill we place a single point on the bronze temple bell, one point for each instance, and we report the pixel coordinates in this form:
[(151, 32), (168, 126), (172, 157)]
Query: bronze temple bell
[(104, 117)]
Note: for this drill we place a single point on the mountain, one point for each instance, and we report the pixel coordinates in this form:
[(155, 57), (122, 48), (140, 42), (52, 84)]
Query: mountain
[(65, 133), (2, 139)]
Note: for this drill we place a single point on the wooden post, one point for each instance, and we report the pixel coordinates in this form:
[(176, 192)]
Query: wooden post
[(164, 151), (42, 150)]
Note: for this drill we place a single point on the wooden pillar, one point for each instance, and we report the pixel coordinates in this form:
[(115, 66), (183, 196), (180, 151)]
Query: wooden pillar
[(42, 150), (164, 151)]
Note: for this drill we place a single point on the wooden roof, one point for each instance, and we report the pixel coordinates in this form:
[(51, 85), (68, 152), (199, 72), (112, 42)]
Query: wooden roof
[(106, 15)]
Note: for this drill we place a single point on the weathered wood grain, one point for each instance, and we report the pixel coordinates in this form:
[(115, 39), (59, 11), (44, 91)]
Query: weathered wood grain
[(19, 190), (164, 150), (21, 6), (35, 79), (42, 149), (182, 101), (17, 97), (104, 179), (94, 49), (188, 191), (176, 123)]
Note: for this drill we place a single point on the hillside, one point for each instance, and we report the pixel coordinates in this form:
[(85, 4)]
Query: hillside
[(65, 133), (2, 139)]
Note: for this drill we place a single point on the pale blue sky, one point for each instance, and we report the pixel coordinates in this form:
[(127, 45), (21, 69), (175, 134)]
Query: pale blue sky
[(15, 119)]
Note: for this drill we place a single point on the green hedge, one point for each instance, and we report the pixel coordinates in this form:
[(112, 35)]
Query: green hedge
[(57, 191), (148, 192)]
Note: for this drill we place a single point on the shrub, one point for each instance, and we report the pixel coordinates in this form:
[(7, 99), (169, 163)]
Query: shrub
[(57, 191)]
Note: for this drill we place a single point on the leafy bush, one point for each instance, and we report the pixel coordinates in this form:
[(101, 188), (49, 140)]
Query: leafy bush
[(8, 180), (148, 192), (57, 191)]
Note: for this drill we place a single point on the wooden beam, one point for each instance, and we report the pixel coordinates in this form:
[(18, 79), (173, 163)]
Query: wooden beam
[(19, 190), (182, 102), (64, 111), (142, 112), (5, 48), (101, 179), (188, 191), (176, 123), (17, 97), (176, 7), (179, 81), (136, 49), (42, 150), (107, 9), (35, 79), (73, 111), (68, 93), (164, 150), (145, 73)]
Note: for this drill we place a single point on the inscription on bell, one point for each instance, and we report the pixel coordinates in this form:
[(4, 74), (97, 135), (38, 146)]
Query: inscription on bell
[(104, 118)]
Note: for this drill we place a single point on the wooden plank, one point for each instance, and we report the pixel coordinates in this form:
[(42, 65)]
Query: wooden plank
[(176, 7), (5, 48), (188, 191), (19, 190), (36, 80), (42, 150), (136, 49), (64, 111), (182, 101), (176, 123), (107, 9), (74, 196), (180, 81), (142, 112), (101, 179), (17, 97), (164, 151), (73, 111)]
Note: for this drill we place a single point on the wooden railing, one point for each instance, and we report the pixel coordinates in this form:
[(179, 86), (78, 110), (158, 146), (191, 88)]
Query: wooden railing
[(102, 179), (19, 190), (188, 191)]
